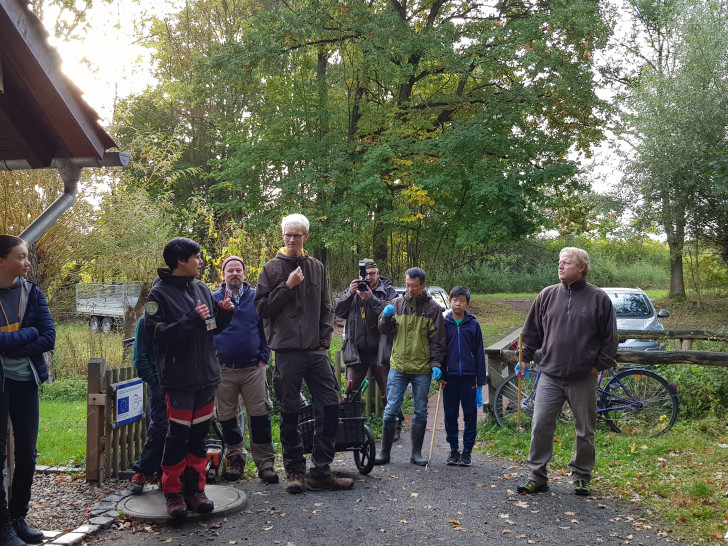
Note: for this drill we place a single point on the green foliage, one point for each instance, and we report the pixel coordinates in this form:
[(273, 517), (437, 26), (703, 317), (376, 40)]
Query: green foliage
[(702, 390), (76, 345), (65, 390)]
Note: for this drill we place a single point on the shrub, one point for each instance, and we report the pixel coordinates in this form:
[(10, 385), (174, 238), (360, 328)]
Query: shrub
[(65, 390)]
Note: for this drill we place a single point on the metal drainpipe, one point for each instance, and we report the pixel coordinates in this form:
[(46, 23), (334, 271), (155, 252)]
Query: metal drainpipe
[(70, 171)]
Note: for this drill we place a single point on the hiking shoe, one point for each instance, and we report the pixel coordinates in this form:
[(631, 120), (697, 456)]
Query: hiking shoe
[(332, 481), (8, 536), (235, 468), (267, 475), (531, 487), (176, 506), (25, 532), (453, 458), (582, 488), (138, 481), (464, 459), (199, 503), (296, 483)]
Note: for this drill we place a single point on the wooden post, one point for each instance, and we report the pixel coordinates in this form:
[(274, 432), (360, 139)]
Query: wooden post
[(112, 376), (96, 420), (498, 367), (337, 366)]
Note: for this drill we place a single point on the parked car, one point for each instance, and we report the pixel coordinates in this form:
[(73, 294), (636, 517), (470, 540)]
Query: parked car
[(635, 312), (438, 294)]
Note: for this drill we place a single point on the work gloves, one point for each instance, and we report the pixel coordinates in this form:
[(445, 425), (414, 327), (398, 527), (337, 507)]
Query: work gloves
[(436, 374), (479, 396), (388, 311)]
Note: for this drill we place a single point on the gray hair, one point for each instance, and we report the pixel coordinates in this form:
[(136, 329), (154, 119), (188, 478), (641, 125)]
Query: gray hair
[(579, 255)]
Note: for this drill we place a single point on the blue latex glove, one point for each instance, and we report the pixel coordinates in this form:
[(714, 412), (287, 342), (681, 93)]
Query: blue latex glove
[(388, 311), (436, 374), (525, 373), (479, 397)]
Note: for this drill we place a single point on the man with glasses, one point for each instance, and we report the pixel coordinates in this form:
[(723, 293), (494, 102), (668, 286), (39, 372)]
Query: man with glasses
[(415, 323), (292, 298), (365, 349)]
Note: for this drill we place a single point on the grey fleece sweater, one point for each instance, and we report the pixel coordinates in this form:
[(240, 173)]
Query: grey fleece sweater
[(575, 326)]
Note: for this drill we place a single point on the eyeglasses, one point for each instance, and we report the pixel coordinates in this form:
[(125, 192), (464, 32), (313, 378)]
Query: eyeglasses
[(293, 236), (411, 286), (372, 273)]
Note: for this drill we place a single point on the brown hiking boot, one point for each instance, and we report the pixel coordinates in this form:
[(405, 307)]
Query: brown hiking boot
[(199, 503), (332, 481), (235, 467), (296, 483), (176, 506), (138, 481), (267, 475)]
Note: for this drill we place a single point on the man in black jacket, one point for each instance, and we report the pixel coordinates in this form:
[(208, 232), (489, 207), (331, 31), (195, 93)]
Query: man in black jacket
[(574, 323), (292, 298), (181, 318)]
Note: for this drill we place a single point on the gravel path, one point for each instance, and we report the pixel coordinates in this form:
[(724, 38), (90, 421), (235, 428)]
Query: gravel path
[(401, 503)]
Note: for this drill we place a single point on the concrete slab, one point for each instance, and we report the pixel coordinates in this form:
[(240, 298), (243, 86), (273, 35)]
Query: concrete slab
[(150, 506)]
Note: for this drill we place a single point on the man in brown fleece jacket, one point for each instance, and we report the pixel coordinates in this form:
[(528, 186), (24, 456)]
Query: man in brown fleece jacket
[(574, 324)]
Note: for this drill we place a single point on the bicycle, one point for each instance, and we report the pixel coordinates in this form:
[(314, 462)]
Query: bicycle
[(634, 401)]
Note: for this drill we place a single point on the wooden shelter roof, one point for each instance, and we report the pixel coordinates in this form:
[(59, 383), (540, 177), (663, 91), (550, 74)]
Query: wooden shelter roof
[(43, 115)]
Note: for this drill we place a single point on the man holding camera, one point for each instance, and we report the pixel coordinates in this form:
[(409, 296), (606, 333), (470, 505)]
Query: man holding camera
[(364, 347)]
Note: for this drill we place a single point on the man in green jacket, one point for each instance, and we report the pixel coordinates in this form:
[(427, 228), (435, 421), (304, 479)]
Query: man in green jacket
[(415, 323)]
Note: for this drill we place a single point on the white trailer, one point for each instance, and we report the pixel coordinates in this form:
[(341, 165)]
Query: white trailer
[(105, 304)]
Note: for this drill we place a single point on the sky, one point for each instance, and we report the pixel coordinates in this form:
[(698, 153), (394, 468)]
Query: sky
[(108, 62)]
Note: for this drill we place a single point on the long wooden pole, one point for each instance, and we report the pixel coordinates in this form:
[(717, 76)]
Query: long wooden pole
[(520, 373)]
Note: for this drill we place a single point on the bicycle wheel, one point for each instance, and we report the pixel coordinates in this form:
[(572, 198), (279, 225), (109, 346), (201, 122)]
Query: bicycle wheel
[(505, 402), (639, 403)]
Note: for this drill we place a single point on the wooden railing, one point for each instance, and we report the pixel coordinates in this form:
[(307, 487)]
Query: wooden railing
[(502, 360)]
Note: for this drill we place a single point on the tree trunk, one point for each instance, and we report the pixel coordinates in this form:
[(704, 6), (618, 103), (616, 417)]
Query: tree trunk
[(677, 279)]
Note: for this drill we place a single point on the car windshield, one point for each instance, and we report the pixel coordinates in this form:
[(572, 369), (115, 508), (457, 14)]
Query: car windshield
[(630, 305)]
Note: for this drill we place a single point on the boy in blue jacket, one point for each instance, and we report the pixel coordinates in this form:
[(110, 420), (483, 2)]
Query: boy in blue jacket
[(464, 375)]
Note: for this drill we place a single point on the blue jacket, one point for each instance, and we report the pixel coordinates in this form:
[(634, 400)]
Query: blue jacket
[(37, 334), (465, 353), (243, 342), (145, 356)]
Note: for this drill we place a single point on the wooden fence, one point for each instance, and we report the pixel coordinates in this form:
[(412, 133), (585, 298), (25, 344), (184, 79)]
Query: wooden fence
[(502, 360), (109, 449)]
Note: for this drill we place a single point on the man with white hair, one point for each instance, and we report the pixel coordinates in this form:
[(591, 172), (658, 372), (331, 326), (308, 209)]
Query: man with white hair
[(292, 298), (574, 324)]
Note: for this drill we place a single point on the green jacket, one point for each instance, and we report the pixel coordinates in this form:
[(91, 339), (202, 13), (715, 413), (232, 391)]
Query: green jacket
[(419, 334)]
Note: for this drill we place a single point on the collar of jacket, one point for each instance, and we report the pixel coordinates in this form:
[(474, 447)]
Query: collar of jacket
[(241, 293), (574, 286), (166, 275), (468, 317)]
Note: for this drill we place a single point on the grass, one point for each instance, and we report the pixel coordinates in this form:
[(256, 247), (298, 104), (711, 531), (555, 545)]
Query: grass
[(62, 432), (679, 478), (76, 345)]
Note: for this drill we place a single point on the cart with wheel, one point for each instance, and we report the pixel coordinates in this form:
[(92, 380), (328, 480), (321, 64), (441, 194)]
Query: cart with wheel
[(352, 434)]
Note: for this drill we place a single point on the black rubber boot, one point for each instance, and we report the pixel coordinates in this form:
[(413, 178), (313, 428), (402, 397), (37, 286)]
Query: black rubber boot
[(388, 430), (418, 436)]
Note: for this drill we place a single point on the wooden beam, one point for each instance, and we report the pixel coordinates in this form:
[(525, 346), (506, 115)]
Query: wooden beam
[(672, 334), (24, 134)]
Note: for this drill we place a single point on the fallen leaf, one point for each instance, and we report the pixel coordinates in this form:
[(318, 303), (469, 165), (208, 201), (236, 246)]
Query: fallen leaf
[(504, 516), (479, 485), (506, 531), (283, 515), (318, 503), (232, 542), (267, 528), (414, 494)]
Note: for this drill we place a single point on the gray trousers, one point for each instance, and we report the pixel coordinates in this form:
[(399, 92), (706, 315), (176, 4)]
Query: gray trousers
[(551, 393)]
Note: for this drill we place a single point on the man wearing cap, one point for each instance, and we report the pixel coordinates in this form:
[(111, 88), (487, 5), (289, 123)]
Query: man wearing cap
[(365, 349), (243, 354)]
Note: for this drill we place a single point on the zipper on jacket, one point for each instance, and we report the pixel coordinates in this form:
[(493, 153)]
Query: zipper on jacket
[(460, 356)]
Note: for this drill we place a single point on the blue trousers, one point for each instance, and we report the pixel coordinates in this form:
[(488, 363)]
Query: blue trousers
[(19, 401), (150, 459), (397, 384), (460, 391)]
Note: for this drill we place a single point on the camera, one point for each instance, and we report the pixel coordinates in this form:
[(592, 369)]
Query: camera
[(364, 283)]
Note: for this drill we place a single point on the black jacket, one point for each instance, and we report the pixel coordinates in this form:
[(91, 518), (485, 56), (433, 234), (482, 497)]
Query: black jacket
[(187, 355)]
